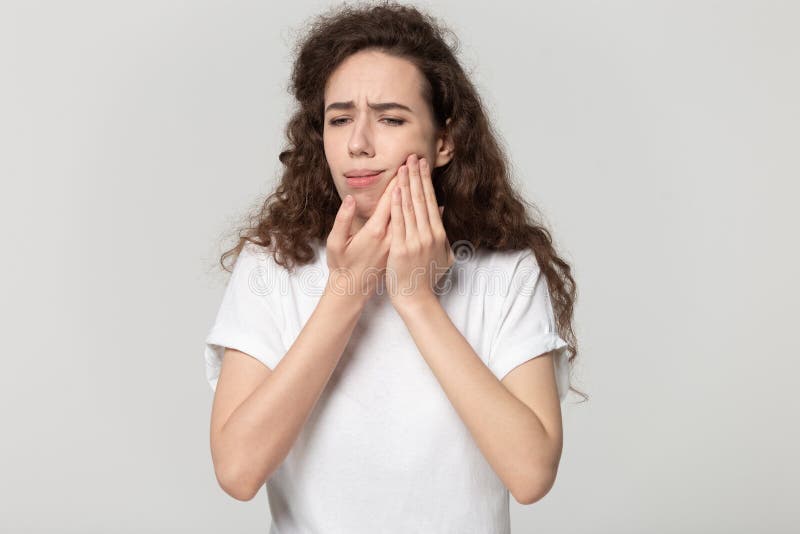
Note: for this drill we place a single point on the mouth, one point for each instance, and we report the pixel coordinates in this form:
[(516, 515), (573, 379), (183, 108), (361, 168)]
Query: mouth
[(364, 180)]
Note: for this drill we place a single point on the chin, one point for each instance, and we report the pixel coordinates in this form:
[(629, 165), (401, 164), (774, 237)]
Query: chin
[(373, 191)]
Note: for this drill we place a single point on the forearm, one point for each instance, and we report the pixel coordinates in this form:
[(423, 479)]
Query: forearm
[(509, 434), (259, 434)]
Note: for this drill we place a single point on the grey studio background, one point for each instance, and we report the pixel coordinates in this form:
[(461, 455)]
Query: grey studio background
[(659, 139)]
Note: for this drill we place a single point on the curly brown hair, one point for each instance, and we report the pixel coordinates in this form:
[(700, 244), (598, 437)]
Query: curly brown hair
[(490, 214)]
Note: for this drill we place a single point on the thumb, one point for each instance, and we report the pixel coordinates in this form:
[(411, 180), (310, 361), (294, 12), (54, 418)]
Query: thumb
[(341, 225)]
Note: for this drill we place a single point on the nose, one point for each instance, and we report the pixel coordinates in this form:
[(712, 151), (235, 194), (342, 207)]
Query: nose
[(360, 142)]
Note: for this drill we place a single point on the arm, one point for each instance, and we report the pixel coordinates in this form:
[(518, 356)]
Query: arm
[(522, 446), (258, 413), (521, 440), (254, 426)]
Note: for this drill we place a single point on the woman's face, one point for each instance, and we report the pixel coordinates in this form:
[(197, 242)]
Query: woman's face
[(360, 139)]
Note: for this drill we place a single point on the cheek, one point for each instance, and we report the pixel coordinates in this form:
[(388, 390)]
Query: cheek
[(402, 144), (332, 137), (330, 147)]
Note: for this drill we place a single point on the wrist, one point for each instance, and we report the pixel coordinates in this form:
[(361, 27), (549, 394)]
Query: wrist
[(344, 296), (413, 304)]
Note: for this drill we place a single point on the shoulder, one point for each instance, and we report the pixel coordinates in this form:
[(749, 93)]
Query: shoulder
[(263, 258), (255, 269), (484, 278), (254, 253), (264, 275), (506, 259), (504, 269)]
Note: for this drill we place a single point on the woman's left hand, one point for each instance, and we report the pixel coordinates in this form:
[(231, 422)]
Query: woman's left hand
[(420, 252)]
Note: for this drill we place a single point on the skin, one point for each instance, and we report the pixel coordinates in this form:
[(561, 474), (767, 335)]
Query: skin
[(371, 139), (258, 413), (517, 422)]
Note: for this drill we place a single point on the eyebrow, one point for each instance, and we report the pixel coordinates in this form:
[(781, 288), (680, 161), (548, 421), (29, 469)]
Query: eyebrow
[(378, 106)]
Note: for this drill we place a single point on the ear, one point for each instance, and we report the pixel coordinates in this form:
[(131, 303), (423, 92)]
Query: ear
[(444, 146)]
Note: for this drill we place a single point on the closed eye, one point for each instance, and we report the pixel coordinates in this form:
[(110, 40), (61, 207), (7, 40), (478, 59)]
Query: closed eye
[(391, 121)]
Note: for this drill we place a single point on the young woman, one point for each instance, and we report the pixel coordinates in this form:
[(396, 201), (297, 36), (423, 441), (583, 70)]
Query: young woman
[(395, 338)]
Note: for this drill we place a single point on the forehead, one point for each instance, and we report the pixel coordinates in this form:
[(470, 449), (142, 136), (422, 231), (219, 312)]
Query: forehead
[(376, 76)]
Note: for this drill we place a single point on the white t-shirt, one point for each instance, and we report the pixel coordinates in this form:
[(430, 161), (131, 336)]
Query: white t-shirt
[(383, 449)]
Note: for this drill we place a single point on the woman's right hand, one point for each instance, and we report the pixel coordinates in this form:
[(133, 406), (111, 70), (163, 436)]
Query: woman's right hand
[(356, 262)]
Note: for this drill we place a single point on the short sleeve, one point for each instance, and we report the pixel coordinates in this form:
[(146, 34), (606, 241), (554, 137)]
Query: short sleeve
[(249, 317), (526, 326)]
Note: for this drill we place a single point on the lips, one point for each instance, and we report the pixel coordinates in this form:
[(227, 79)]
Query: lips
[(360, 173), (364, 181)]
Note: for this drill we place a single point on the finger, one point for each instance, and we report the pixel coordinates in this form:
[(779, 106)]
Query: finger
[(409, 219), (341, 225), (380, 217), (430, 196), (418, 198), (398, 228)]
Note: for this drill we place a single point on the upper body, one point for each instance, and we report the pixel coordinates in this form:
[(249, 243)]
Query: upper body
[(383, 447), (410, 432)]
